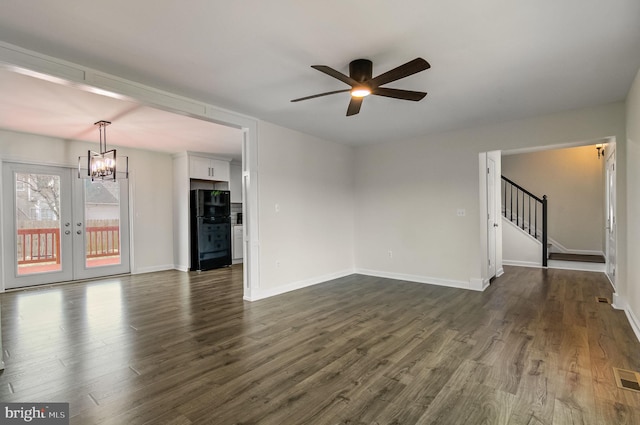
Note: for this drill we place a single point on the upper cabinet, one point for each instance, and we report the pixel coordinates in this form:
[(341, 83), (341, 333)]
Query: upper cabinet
[(235, 184), (208, 168)]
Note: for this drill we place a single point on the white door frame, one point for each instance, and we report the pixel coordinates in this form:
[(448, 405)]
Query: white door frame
[(10, 272), (17, 59), (492, 217), (611, 220), (80, 270), (485, 277), (72, 228)]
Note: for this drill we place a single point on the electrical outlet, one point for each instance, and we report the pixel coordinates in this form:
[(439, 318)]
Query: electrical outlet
[(277, 207), (461, 212), (390, 254), (277, 264)]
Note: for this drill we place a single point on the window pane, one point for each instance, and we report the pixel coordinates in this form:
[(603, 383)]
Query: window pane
[(102, 223), (38, 223)]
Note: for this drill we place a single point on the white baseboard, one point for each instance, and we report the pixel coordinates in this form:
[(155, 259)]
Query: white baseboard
[(633, 321), (478, 284), (181, 268), (563, 249), (521, 263), (500, 272), (473, 284), (161, 268), (259, 294), (617, 302), (620, 303)]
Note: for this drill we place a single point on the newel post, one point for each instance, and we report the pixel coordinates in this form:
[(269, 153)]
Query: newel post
[(544, 231)]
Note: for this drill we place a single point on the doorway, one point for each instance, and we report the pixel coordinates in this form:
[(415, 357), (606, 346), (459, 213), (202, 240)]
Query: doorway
[(59, 228), (611, 226), (492, 217)]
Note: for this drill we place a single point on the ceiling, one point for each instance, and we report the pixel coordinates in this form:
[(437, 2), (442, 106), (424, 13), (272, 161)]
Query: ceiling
[(32, 105), (492, 60)]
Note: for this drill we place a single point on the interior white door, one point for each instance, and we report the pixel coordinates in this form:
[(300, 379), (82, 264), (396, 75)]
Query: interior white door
[(492, 217), (611, 233), (59, 228)]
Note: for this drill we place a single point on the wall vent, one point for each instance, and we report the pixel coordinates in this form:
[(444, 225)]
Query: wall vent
[(603, 300), (627, 379)]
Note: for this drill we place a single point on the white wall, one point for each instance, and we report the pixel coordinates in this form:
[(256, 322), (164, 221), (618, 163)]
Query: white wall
[(519, 248), (151, 191), (630, 287), (310, 238), (181, 200), (407, 193), (573, 180)]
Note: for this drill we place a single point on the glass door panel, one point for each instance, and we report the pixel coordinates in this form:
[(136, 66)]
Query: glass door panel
[(102, 223), (38, 226)]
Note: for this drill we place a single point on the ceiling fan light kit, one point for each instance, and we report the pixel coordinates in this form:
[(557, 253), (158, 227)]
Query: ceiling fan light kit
[(363, 83), (360, 92)]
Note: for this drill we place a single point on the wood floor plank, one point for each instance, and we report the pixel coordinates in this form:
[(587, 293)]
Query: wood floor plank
[(184, 348)]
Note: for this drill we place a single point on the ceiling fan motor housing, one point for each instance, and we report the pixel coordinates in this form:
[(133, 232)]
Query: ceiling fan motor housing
[(361, 70), (362, 83)]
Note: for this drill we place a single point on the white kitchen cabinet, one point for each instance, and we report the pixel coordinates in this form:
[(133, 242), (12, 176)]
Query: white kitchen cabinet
[(235, 183), (204, 168), (237, 243)]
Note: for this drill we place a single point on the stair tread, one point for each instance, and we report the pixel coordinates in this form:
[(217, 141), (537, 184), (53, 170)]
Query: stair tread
[(561, 256)]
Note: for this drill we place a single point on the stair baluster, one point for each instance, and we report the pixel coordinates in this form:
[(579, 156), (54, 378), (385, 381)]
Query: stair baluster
[(524, 217)]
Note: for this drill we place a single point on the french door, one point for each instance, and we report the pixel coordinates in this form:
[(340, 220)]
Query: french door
[(57, 227)]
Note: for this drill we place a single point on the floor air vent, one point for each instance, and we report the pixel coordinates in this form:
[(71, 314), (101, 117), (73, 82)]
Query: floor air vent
[(603, 300), (627, 379)]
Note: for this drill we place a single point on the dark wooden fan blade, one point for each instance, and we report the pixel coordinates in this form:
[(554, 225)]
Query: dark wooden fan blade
[(400, 72), (400, 94), (336, 74), (354, 106), (320, 95)]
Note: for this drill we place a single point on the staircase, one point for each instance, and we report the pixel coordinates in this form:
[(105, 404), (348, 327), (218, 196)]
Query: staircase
[(527, 211)]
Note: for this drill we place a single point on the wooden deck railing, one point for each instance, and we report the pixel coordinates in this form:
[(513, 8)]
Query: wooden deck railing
[(38, 245), (43, 245), (102, 241)]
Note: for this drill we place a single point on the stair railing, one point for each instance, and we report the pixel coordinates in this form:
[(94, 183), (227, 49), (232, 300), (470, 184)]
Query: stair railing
[(523, 208)]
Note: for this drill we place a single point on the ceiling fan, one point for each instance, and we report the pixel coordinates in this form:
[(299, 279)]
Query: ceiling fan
[(363, 84)]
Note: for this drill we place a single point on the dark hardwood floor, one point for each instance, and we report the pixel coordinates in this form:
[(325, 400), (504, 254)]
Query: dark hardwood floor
[(178, 348)]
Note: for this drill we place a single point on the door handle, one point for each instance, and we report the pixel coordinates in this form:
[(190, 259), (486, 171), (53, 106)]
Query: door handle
[(67, 224), (495, 224), (67, 232), (79, 232), (78, 224)]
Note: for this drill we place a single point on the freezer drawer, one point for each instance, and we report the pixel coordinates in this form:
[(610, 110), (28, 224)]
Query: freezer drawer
[(211, 244)]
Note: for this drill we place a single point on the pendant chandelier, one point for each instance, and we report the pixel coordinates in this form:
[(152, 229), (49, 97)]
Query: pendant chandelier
[(102, 165)]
